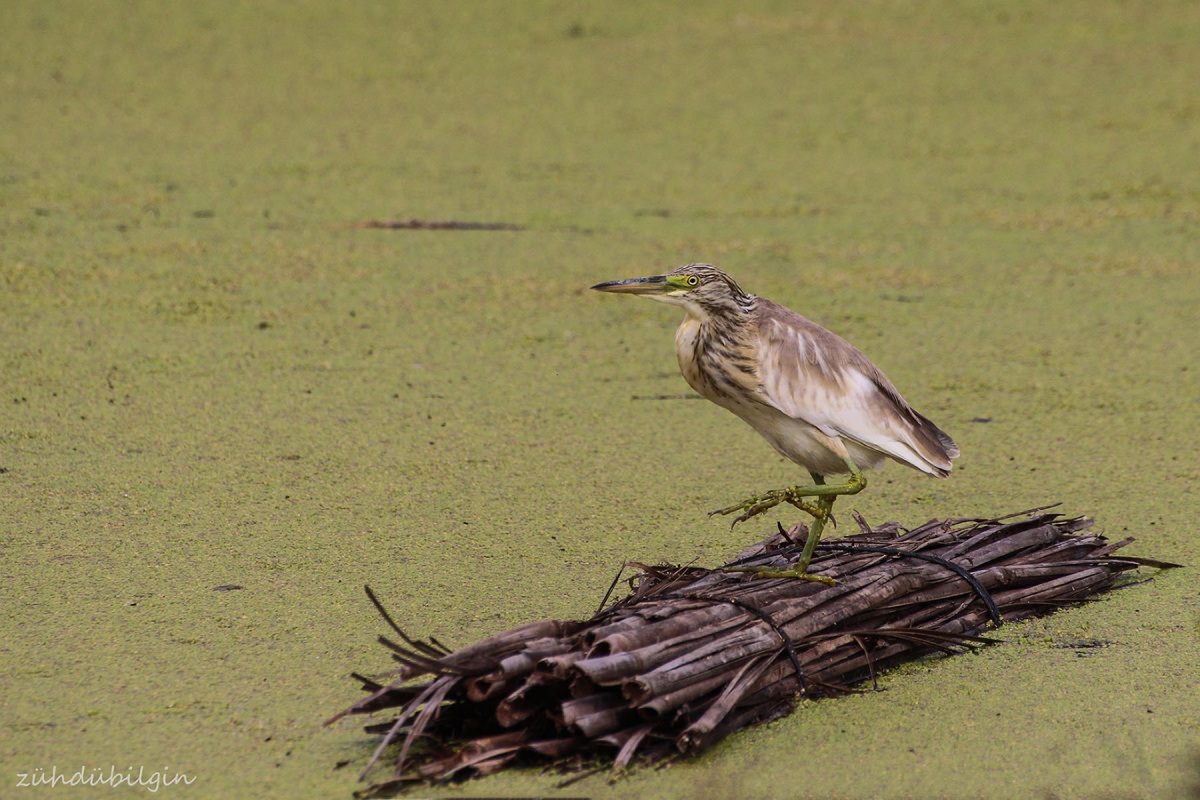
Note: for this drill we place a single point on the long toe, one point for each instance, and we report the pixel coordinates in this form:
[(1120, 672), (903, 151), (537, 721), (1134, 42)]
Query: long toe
[(752, 510), (807, 507), (753, 506)]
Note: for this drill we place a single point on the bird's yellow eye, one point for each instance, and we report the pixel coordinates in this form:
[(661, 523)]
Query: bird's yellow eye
[(692, 280)]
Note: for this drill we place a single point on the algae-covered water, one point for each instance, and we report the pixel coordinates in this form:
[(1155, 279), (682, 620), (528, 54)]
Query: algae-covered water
[(210, 378)]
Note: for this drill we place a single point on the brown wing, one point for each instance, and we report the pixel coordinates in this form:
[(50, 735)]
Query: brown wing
[(812, 374)]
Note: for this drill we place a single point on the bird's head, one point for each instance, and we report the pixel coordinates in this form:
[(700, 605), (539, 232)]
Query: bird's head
[(702, 289)]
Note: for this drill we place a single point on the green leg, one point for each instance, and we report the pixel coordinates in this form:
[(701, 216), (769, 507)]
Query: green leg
[(821, 510)]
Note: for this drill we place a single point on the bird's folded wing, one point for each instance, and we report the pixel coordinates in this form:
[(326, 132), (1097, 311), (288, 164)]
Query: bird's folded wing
[(814, 375)]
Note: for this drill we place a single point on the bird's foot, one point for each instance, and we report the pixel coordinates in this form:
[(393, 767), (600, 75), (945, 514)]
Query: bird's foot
[(798, 572), (756, 505)]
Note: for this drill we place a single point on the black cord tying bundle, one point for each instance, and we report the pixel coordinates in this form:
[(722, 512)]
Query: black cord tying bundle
[(788, 645), (848, 547), (957, 569)]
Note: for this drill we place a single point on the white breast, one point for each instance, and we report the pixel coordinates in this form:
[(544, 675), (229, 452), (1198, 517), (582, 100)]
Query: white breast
[(685, 350)]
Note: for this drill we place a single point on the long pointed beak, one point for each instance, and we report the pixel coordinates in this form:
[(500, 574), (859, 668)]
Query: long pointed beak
[(655, 284)]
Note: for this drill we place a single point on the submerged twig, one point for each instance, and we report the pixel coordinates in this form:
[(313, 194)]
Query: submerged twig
[(415, 224)]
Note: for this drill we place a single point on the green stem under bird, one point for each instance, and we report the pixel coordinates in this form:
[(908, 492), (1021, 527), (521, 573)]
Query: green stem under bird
[(811, 394)]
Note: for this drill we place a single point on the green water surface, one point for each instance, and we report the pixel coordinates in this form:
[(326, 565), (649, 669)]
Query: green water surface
[(210, 377)]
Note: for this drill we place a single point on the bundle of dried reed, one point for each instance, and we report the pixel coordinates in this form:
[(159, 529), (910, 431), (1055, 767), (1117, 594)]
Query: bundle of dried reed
[(692, 655)]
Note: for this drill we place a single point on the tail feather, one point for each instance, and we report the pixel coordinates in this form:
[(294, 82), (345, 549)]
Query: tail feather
[(933, 445)]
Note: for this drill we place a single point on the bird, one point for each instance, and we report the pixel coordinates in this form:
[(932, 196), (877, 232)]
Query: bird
[(816, 398)]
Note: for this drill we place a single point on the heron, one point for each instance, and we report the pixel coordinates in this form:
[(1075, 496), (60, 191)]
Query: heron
[(816, 398)]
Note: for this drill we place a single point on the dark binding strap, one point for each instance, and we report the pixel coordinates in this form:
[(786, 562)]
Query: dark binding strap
[(957, 569), (788, 645)]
